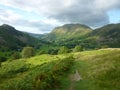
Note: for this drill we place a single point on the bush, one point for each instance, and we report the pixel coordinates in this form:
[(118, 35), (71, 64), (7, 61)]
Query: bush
[(27, 52), (104, 46), (2, 59), (53, 51), (78, 48), (16, 55), (63, 50)]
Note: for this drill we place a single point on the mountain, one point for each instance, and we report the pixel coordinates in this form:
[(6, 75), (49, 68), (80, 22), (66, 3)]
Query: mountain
[(12, 39), (68, 31), (71, 35), (107, 35)]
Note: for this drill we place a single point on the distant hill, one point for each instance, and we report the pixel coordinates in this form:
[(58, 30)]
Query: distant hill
[(68, 31), (36, 35), (107, 35), (78, 34), (12, 39)]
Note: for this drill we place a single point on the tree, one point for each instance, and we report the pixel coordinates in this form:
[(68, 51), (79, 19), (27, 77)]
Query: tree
[(63, 50), (78, 48), (27, 52)]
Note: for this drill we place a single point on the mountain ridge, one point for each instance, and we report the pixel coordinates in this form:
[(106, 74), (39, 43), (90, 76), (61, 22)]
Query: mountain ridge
[(68, 31), (14, 39), (68, 35)]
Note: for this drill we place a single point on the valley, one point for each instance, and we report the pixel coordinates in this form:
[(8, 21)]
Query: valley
[(71, 57)]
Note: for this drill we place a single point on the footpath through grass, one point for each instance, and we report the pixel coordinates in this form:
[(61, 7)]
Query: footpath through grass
[(99, 69)]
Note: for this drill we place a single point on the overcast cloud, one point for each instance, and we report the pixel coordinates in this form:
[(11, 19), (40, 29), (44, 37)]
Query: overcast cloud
[(57, 12)]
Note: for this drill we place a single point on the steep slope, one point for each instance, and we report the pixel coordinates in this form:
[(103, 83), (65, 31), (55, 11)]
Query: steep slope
[(10, 38), (107, 35), (68, 31)]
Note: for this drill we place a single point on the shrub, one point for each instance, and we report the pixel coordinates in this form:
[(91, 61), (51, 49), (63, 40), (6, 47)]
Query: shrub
[(16, 55), (78, 48), (104, 46), (2, 58), (27, 52), (63, 50)]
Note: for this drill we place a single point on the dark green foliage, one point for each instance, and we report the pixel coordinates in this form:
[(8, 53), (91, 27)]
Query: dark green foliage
[(63, 50), (16, 55), (2, 58), (53, 51), (78, 48), (27, 52)]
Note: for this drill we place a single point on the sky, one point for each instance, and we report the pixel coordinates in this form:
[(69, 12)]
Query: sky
[(42, 16)]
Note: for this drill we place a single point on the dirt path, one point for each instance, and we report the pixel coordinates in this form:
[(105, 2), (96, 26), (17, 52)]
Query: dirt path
[(74, 78)]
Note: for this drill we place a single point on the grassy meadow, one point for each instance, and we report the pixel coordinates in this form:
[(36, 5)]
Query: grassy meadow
[(99, 70)]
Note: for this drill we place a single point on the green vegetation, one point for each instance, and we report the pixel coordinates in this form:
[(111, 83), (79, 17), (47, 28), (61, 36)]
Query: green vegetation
[(71, 35), (63, 50), (99, 70), (53, 66), (15, 55), (12, 41), (27, 52), (25, 75), (77, 49), (68, 31), (52, 78), (10, 38)]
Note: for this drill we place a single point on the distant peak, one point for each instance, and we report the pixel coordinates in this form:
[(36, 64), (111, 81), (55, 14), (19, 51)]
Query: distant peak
[(7, 26)]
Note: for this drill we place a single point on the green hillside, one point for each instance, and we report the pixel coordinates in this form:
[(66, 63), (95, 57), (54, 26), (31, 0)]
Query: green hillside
[(10, 38), (107, 35), (98, 70), (71, 35), (68, 31)]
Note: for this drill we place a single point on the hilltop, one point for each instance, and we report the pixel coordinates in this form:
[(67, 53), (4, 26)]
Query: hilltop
[(68, 31)]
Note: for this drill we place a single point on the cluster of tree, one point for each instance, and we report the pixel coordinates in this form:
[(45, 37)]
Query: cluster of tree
[(64, 49), (28, 52)]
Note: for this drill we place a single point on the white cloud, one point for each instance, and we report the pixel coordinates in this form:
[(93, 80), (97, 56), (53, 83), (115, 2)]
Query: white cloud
[(58, 12), (9, 16)]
